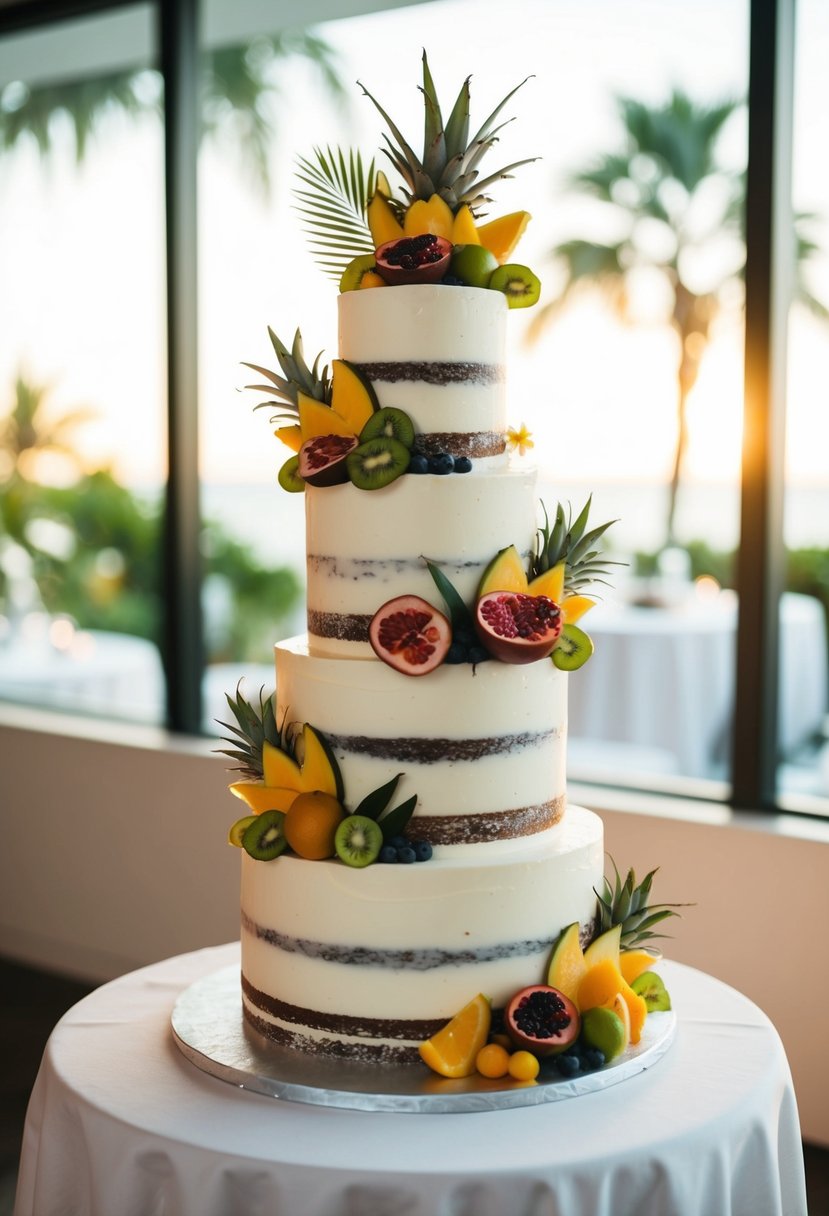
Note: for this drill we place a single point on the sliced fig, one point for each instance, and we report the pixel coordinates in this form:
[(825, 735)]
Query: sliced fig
[(542, 1020), (410, 635), (322, 460), (413, 259), (518, 628)]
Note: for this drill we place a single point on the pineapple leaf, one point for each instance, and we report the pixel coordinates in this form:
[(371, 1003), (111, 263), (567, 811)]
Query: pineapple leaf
[(457, 128), (340, 190)]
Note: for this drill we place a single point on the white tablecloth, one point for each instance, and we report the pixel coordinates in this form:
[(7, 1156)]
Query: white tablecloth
[(120, 1124), (662, 681)]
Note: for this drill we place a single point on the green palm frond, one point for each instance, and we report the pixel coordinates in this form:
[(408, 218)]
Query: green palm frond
[(333, 207)]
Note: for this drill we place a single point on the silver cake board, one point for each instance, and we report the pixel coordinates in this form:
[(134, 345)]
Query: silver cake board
[(208, 1028)]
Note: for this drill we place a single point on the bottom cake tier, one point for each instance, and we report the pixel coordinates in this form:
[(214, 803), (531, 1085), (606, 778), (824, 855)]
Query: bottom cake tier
[(367, 963)]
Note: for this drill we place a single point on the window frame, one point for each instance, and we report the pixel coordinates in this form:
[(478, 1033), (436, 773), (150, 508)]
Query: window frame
[(760, 559)]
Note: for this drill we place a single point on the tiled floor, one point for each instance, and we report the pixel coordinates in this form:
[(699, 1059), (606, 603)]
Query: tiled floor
[(33, 1001)]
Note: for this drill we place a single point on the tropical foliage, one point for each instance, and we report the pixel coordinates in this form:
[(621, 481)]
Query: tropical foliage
[(670, 203)]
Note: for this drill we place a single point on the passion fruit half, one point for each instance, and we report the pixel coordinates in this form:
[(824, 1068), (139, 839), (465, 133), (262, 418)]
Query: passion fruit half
[(410, 635), (413, 259), (518, 628), (542, 1020), (322, 460)]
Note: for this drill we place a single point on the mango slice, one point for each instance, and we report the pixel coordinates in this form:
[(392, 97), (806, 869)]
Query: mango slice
[(501, 235), (318, 419), (605, 946), (291, 436), (575, 606), (550, 583), (352, 396), (260, 797), (567, 966), (382, 221), (280, 770), (434, 216), (504, 573), (464, 228)]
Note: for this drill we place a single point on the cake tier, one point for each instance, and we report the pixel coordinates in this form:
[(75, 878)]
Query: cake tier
[(437, 353), (369, 963), (482, 747), (365, 548)]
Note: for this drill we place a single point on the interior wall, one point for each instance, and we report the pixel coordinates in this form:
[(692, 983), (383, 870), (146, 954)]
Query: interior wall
[(114, 856)]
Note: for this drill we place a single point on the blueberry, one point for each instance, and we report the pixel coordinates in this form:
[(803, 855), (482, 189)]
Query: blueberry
[(568, 1065), (456, 653), (406, 855), (593, 1059), (441, 464), (463, 464), (423, 850), (452, 280), (388, 854), (477, 654), (398, 842), (418, 463)]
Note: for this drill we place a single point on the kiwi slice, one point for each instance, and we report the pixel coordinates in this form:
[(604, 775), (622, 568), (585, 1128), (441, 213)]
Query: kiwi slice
[(651, 988), (289, 478), (358, 841), (518, 283), (352, 276), (238, 830), (377, 463), (573, 648), (389, 423), (264, 839)]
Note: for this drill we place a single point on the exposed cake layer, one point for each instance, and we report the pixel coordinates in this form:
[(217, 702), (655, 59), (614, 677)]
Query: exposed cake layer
[(366, 547), (437, 353), (371, 962), (482, 747)]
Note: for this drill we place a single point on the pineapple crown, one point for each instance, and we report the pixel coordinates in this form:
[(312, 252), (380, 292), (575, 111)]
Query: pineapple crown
[(297, 377), (568, 541), (450, 160), (254, 727), (626, 904)]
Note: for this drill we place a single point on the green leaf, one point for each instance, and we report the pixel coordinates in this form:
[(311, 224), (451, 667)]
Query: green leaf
[(334, 207), (459, 614), (373, 805), (395, 821)]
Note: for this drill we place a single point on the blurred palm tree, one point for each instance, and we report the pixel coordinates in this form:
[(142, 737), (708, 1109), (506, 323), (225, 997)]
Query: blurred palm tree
[(28, 429), (672, 207), (240, 85)]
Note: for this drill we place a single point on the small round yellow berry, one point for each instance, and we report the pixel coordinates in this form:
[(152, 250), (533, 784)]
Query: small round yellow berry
[(493, 1060), (523, 1066)]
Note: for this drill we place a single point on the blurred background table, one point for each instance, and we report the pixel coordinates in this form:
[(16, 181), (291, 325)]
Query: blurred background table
[(120, 1122), (662, 679)]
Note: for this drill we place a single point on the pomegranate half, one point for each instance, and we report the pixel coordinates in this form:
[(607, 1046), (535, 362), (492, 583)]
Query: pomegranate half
[(542, 1020), (410, 635), (518, 628)]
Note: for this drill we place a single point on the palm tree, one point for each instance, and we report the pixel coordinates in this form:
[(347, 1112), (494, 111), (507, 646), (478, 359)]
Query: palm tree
[(28, 430), (239, 84), (669, 200)]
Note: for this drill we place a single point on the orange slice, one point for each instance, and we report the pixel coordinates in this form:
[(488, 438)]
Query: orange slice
[(633, 963), (600, 985), (452, 1051)]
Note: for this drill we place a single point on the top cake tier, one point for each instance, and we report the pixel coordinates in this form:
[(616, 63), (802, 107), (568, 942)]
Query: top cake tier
[(438, 353)]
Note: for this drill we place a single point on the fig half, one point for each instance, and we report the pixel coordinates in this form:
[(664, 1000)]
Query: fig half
[(413, 259), (542, 1020), (410, 635), (518, 628), (322, 460)]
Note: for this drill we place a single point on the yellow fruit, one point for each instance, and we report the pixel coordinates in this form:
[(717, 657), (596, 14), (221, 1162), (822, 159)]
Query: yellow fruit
[(504, 573), (493, 1061), (501, 235), (314, 769), (637, 1011), (632, 963), (318, 419), (260, 797), (291, 436), (620, 1008), (279, 769), (567, 966), (382, 221), (453, 1050), (434, 216), (606, 945), (352, 396), (574, 607), (371, 279), (464, 229), (311, 824), (550, 583), (600, 985), (523, 1066)]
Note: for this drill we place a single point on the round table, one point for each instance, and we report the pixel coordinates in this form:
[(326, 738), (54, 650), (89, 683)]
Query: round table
[(120, 1122)]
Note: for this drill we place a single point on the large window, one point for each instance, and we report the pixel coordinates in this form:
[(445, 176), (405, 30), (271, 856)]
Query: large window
[(629, 374)]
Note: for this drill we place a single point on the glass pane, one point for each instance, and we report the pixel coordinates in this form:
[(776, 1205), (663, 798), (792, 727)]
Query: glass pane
[(82, 397), (596, 373), (804, 702)]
